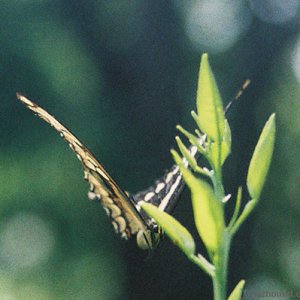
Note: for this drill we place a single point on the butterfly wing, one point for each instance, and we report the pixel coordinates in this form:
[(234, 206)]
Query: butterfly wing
[(165, 192), (125, 218)]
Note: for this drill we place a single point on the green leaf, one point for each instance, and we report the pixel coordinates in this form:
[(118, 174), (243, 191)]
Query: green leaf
[(225, 147), (196, 141), (237, 208), (190, 159), (211, 119), (238, 291), (226, 142), (261, 159), (208, 212), (244, 215), (179, 235)]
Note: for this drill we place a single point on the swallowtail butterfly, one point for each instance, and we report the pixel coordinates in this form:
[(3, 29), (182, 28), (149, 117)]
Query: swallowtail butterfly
[(127, 217)]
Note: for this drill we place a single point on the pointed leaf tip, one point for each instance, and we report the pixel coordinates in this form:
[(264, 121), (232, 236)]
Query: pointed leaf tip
[(238, 291), (261, 159), (209, 103)]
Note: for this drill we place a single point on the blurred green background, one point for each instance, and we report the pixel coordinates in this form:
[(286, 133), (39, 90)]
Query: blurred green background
[(121, 75)]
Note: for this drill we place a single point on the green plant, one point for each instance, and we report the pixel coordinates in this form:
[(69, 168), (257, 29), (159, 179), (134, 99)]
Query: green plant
[(213, 141)]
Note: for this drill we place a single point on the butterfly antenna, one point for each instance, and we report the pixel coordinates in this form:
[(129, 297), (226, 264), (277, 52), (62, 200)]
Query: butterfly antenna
[(238, 94)]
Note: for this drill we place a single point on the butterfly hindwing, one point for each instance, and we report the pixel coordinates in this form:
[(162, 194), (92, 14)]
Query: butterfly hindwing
[(119, 206), (166, 190)]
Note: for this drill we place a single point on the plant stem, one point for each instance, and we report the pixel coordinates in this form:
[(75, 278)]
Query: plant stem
[(221, 264), (247, 210), (207, 267)]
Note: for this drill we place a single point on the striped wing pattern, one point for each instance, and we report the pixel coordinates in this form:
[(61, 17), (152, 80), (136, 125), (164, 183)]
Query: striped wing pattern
[(166, 190), (125, 217), (124, 210)]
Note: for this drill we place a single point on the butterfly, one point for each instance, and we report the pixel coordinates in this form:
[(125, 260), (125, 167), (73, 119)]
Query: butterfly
[(128, 219)]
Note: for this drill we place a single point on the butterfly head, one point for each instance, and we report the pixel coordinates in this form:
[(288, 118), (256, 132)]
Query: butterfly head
[(149, 239)]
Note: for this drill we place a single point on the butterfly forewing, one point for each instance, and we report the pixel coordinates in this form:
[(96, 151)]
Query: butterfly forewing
[(125, 218)]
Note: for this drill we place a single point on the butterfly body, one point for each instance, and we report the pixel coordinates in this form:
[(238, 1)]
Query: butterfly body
[(124, 210)]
